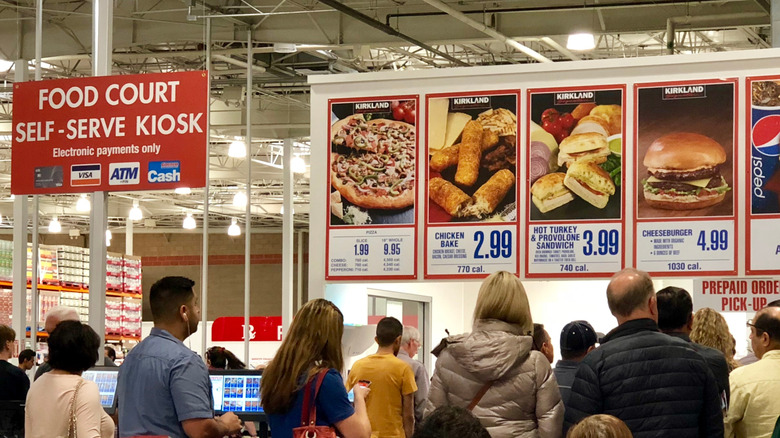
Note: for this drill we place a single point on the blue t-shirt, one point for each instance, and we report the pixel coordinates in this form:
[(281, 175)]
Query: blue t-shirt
[(332, 407)]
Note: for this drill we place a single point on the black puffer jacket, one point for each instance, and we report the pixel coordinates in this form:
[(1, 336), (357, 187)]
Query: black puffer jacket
[(657, 384)]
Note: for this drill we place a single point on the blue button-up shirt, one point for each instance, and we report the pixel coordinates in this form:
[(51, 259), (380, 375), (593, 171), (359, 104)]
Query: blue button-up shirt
[(162, 383)]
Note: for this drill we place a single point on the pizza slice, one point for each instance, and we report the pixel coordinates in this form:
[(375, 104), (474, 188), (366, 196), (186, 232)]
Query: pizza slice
[(375, 181)]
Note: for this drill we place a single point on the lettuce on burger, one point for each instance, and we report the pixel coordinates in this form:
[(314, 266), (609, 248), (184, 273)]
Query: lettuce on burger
[(683, 172)]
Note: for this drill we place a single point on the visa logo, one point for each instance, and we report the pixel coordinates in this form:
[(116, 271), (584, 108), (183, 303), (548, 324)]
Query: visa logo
[(123, 173), (164, 172), (84, 175)]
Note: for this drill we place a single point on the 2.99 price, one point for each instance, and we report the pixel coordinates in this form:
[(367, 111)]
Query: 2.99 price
[(719, 240), (608, 242), (500, 244)]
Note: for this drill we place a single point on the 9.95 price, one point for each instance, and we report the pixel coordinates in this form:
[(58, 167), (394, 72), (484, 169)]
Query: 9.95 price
[(392, 249)]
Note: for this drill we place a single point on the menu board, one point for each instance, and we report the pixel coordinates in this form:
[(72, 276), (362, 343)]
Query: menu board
[(575, 181), (763, 168), (373, 188), (686, 185), (471, 222)]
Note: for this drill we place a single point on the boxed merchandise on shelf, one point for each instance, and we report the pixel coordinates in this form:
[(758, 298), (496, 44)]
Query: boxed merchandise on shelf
[(114, 272), (113, 315), (6, 259), (6, 306), (131, 317), (131, 274)]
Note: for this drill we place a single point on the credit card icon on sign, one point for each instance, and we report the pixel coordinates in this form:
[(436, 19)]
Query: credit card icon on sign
[(85, 175), (48, 177)]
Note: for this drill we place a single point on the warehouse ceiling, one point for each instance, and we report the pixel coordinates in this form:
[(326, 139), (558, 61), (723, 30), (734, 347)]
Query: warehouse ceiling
[(292, 39)]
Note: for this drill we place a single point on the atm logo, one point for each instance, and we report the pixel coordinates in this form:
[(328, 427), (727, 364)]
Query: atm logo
[(164, 172), (82, 175), (123, 174)]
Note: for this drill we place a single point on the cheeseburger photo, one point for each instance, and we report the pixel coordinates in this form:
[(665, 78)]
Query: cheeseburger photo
[(683, 172)]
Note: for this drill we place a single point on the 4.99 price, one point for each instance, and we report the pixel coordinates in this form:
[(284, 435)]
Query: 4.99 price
[(719, 240)]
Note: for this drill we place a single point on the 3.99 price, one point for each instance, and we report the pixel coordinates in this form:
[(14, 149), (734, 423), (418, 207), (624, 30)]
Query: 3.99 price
[(500, 244), (719, 240), (608, 242)]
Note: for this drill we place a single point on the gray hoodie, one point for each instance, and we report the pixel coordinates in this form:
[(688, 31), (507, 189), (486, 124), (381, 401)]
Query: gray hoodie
[(523, 402)]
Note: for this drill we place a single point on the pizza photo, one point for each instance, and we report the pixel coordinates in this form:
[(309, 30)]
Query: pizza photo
[(372, 162)]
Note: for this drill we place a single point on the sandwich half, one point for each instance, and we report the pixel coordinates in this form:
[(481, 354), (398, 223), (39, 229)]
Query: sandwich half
[(549, 193), (588, 146), (590, 182)]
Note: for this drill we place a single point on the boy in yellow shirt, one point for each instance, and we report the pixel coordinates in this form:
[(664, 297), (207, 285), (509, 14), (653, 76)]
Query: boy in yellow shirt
[(390, 403)]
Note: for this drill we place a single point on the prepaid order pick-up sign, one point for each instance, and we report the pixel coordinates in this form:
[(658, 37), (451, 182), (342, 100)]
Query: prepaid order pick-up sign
[(120, 133), (735, 294)]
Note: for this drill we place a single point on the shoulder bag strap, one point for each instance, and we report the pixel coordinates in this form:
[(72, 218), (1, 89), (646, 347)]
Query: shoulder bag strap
[(72, 411), (479, 395), (309, 410)]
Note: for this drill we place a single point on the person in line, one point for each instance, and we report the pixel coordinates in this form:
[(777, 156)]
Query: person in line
[(391, 404), (73, 348), (600, 426), (710, 329), (658, 385), (543, 342), (26, 360), (755, 404), (312, 344), (751, 356), (410, 345), (451, 422), (14, 383), (218, 358), (519, 394), (578, 338), (54, 316), (109, 356), (675, 318), (164, 387)]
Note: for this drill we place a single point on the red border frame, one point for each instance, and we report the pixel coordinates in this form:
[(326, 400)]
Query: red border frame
[(328, 226), (735, 178), (749, 216), (621, 221), (426, 155)]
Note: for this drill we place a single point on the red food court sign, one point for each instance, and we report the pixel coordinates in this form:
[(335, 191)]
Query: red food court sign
[(110, 133), (261, 328)]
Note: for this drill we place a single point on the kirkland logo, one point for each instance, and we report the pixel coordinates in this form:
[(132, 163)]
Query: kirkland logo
[(123, 174), (82, 175), (164, 171)]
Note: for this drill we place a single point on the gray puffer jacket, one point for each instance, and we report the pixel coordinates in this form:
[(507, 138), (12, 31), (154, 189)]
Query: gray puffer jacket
[(523, 402)]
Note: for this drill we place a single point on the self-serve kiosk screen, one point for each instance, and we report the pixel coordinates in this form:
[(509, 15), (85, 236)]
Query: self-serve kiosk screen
[(237, 391)]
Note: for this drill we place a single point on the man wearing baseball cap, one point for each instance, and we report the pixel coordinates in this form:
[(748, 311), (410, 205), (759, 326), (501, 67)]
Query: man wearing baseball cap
[(577, 340)]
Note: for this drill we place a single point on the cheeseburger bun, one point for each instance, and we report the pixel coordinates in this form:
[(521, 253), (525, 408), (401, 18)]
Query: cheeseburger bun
[(683, 151), (548, 192)]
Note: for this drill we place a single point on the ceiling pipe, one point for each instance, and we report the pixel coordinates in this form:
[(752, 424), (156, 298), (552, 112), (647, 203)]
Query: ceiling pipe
[(387, 29), (487, 30), (233, 61), (672, 22)]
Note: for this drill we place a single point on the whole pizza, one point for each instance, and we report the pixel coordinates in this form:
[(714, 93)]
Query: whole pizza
[(379, 170)]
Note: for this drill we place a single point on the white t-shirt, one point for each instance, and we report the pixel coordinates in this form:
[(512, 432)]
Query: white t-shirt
[(48, 408)]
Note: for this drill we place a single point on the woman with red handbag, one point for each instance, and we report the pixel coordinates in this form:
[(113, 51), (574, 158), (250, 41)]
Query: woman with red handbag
[(302, 391)]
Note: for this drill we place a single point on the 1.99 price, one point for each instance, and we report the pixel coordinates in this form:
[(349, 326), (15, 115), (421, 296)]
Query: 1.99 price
[(719, 240), (608, 242), (361, 249), (500, 244)]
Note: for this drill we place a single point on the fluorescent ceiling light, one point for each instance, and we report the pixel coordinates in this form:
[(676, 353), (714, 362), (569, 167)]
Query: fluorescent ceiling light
[(581, 41), (83, 205), (284, 48), (237, 149), (189, 222), (5, 65), (234, 229), (239, 199), (135, 213), (54, 225), (182, 190), (298, 165), (108, 237)]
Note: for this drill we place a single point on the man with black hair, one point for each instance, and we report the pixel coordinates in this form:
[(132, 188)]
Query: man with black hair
[(390, 404), (578, 338), (543, 342), (755, 405), (451, 422), (14, 384), (675, 318), (164, 387), (26, 360), (109, 356)]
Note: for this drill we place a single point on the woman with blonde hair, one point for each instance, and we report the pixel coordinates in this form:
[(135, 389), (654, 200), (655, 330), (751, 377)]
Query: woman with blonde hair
[(711, 330), (494, 372), (310, 355), (600, 426)]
